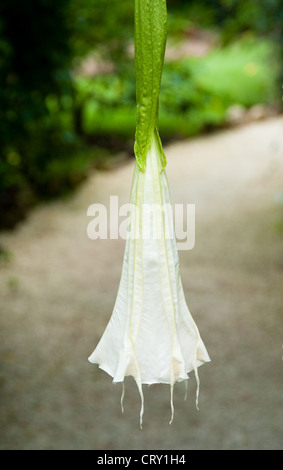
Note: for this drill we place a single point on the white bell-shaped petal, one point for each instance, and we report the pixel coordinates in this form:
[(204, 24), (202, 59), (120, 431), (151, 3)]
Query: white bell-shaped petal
[(151, 334)]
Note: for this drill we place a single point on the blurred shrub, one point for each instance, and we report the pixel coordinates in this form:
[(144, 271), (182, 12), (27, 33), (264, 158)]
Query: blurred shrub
[(106, 25), (29, 70), (195, 92), (36, 96), (49, 115), (42, 153), (235, 17)]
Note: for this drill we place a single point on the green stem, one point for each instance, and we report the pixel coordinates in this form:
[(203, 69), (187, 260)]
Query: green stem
[(150, 43)]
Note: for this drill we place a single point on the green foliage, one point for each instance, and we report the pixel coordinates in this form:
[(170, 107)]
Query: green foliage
[(239, 73), (232, 18), (34, 72), (106, 25), (195, 92), (42, 153), (52, 120)]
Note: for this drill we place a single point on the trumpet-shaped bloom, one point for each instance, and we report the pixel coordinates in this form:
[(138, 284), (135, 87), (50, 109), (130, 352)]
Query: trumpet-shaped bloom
[(151, 334)]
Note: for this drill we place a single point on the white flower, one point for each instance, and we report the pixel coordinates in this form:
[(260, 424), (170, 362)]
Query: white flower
[(151, 334)]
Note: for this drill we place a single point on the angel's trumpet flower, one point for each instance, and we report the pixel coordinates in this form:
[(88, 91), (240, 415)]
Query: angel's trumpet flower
[(151, 334)]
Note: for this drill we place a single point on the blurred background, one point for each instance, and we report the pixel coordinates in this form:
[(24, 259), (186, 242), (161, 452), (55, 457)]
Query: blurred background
[(67, 99), (67, 124)]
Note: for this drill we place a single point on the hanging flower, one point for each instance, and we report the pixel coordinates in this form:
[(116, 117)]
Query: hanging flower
[(151, 334)]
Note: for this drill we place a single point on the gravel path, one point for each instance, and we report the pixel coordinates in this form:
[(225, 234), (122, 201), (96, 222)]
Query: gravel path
[(58, 287)]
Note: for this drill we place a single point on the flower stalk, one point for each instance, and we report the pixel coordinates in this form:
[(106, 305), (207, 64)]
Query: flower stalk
[(150, 43)]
